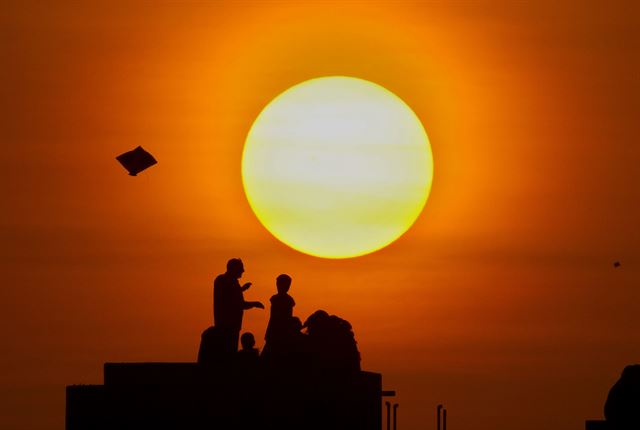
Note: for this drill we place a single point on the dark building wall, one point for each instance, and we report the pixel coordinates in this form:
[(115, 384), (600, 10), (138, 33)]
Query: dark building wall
[(191, 396)]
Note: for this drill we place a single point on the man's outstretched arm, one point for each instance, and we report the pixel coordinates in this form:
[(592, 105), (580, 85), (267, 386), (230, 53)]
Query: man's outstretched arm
[(250, 305)]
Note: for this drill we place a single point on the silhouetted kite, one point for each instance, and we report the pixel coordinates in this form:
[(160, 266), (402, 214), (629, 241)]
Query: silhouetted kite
[(136, 161)]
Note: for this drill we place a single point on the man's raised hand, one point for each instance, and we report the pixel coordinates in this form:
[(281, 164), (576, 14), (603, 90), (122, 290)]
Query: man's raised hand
[(246, 286)]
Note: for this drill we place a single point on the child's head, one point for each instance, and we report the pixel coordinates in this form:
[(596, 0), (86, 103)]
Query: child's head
[(283, 282), (247, 340)]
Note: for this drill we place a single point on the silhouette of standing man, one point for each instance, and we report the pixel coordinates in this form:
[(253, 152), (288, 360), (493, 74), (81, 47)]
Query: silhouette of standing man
[(229, 305)]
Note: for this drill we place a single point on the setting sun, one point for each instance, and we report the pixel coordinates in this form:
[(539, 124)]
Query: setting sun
[(337, 167)]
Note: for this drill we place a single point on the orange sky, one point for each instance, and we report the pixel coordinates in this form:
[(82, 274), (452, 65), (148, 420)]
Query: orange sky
[(501, 301)]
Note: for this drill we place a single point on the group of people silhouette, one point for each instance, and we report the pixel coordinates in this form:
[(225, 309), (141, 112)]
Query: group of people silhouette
[(323, 343)]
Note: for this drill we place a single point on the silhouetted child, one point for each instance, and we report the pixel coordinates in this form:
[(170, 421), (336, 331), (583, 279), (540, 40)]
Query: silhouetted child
[(248, 355), (281, 310)]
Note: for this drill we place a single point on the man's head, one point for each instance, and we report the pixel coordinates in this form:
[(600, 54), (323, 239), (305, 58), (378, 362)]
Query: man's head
[(247, 340), (235, 268), (283, 282)]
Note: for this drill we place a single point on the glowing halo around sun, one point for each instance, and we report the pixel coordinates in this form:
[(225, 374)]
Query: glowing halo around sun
[(337, 167)]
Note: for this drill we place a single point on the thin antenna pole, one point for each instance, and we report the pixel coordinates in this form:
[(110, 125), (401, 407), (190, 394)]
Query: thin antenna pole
[(388, 415), (395, 415), (438, 410), (444, 419)]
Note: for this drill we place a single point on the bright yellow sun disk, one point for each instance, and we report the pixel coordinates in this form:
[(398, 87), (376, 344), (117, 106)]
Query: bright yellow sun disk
[(337, 167)]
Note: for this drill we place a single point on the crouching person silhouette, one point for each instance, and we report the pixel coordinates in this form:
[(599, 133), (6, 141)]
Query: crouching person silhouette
[(229, 306)]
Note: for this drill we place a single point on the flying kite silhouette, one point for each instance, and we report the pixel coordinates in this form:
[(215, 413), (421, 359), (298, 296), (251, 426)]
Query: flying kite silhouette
[(136, 161)]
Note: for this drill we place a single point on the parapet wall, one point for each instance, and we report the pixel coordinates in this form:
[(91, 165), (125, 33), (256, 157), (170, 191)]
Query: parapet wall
[(190, 396)]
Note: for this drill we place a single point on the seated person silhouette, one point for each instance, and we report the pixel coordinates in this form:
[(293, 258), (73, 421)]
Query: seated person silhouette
[(332, 344), (622, 409), (211, 347), (249, 354)]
